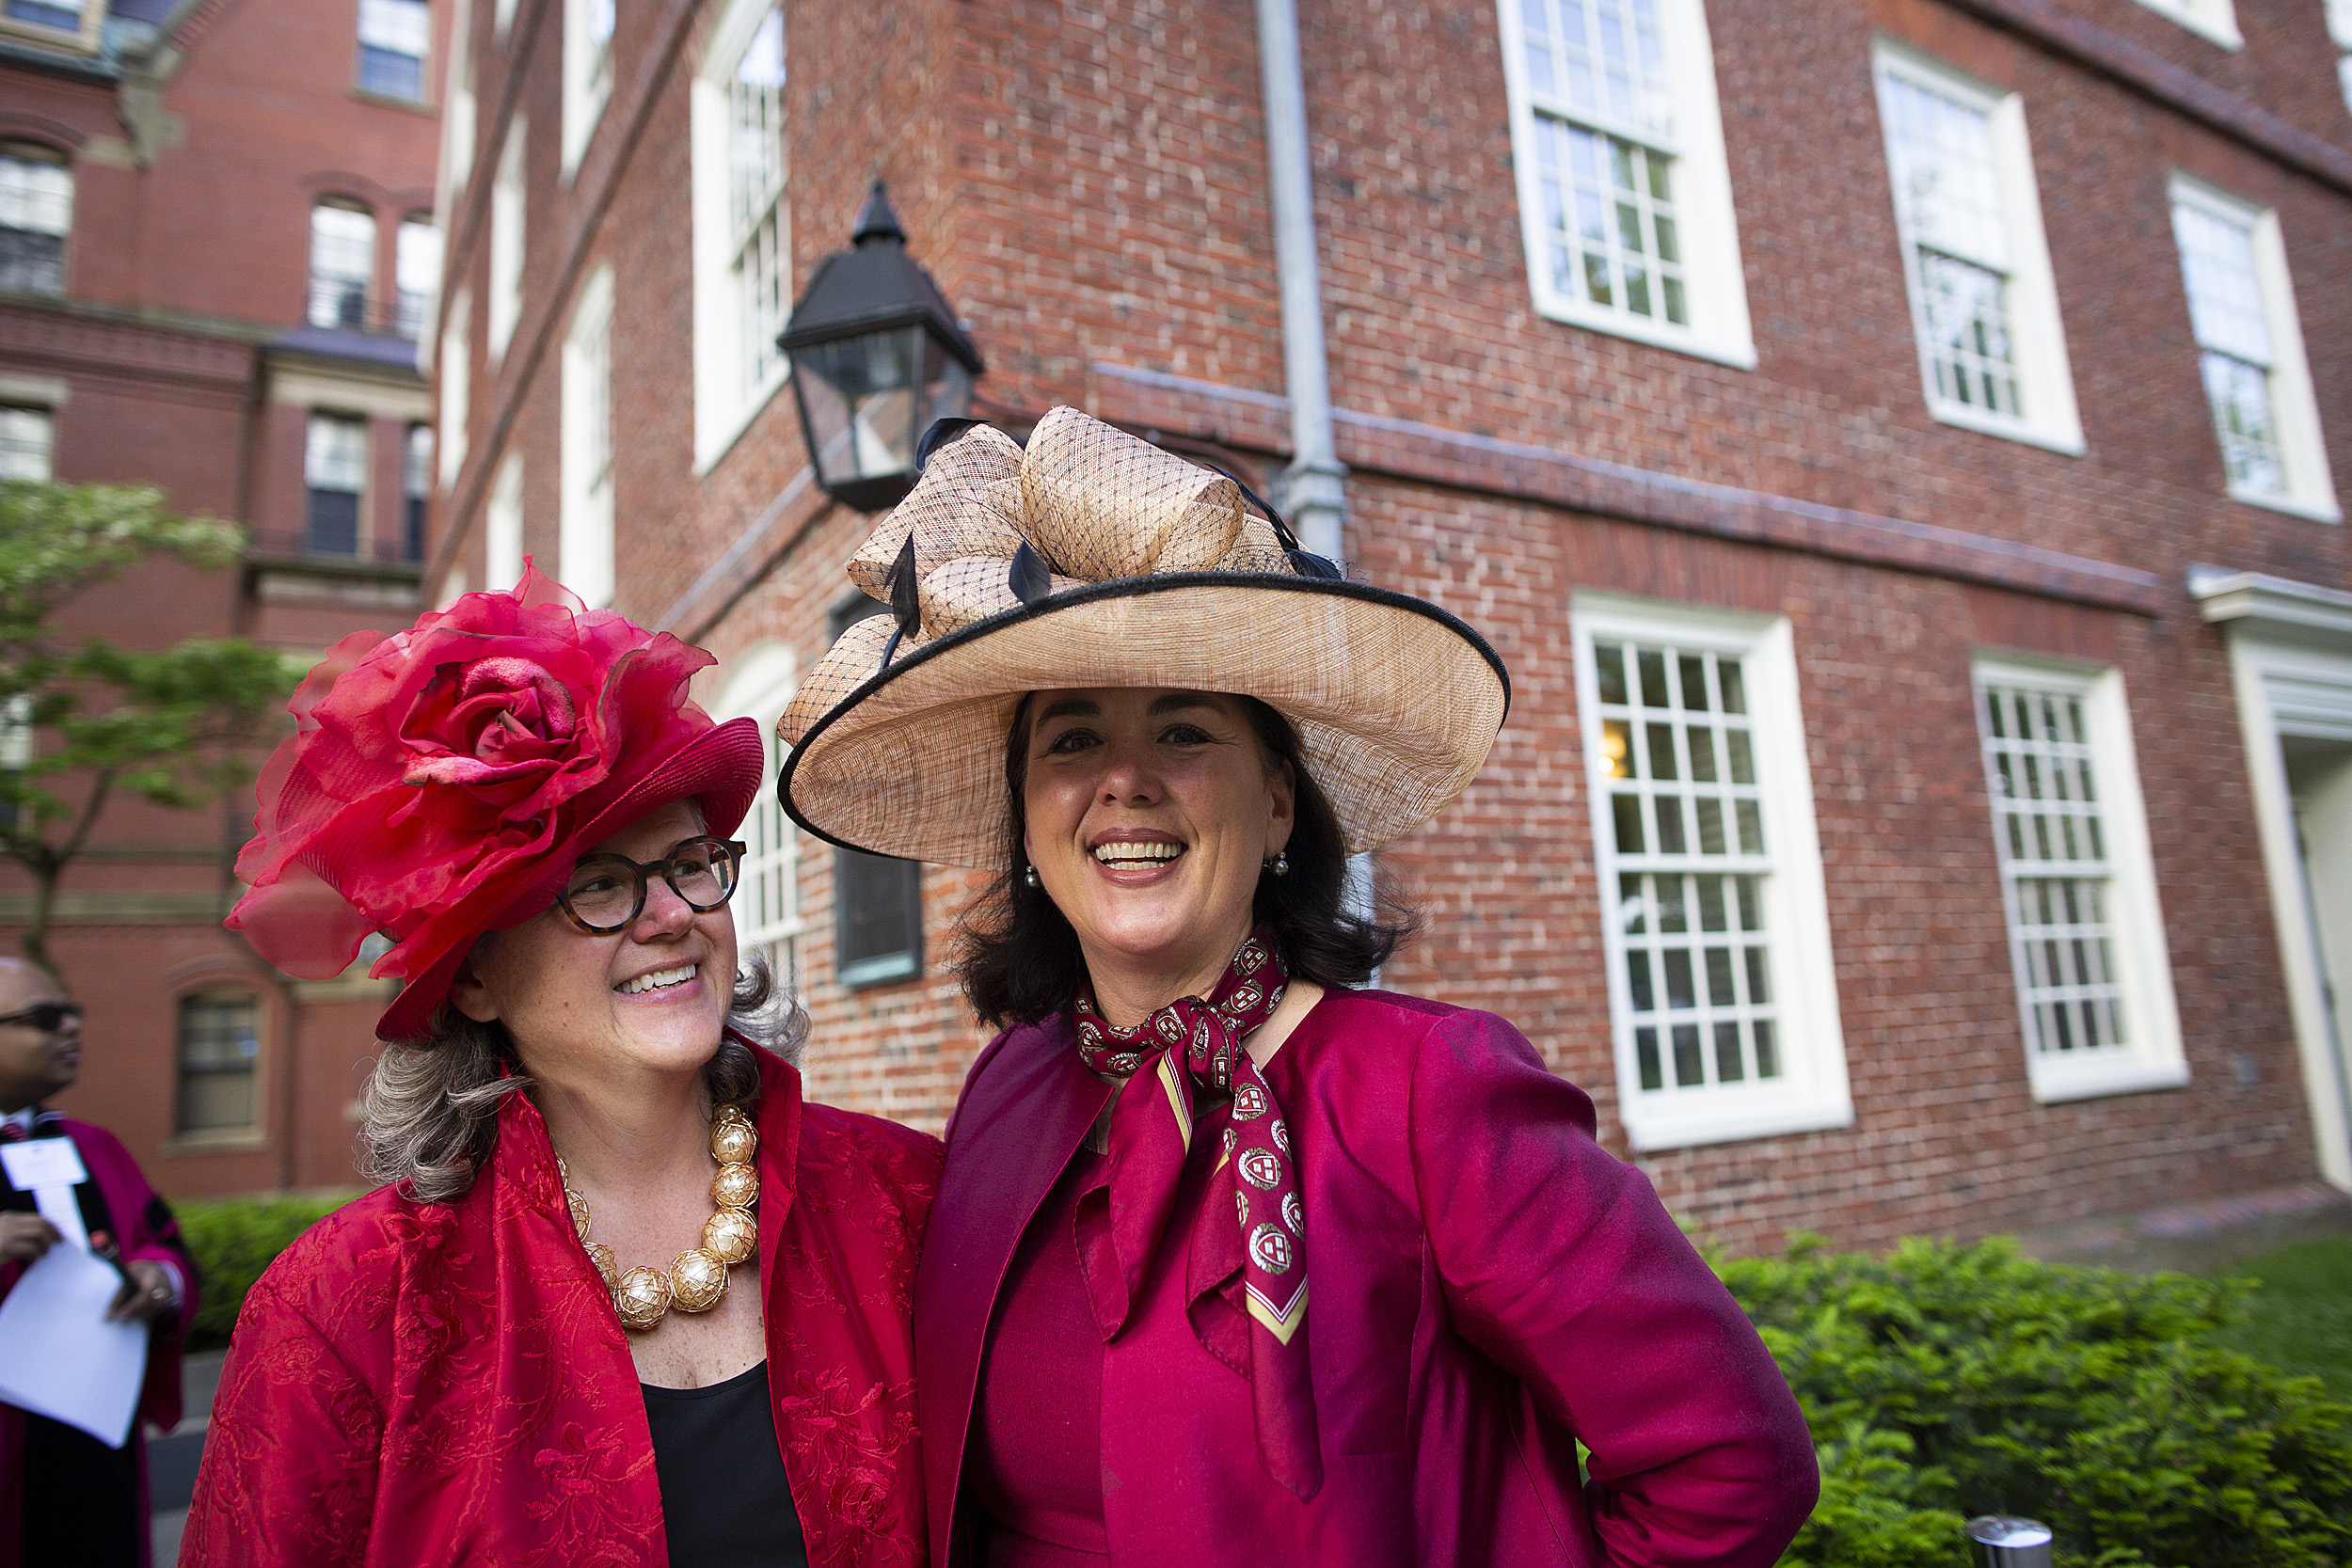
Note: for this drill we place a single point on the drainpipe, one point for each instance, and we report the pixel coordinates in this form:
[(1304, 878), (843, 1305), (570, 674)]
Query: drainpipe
[(1311, 491)]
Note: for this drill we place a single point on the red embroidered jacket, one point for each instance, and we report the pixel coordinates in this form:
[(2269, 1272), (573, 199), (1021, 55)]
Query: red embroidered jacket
[(413, 1384)]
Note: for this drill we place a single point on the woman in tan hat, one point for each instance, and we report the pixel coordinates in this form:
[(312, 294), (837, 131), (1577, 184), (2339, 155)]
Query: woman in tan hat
[(1234, 1262), (624, 1297)]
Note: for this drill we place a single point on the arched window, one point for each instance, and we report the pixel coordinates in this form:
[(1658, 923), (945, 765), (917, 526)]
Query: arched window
[(342, 263), (221, 1050)]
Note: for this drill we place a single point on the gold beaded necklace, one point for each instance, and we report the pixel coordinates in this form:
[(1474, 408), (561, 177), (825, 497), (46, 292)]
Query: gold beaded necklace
[(695, 1283)]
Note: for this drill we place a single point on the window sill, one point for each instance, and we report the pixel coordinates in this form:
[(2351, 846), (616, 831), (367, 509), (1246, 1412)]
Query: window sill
[(888, 970), (2056, 1083), (1725, 1120), (2293, 506), (386, 101), (232, 1141), (2065, 443), (1738, 354), (78, 40)]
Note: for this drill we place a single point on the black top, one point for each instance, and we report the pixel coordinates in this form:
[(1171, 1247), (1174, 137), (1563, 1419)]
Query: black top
[(724, 1501)]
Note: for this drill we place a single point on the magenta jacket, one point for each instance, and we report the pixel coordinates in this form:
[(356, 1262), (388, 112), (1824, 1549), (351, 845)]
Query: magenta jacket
[(1488, 1287)]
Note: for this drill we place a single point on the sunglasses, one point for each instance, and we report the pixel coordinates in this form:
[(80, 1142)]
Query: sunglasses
[(47, 1016), (607, 893)]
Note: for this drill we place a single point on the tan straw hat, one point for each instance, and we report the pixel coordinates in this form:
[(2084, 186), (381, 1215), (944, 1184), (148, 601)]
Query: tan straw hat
[(1093, 559)]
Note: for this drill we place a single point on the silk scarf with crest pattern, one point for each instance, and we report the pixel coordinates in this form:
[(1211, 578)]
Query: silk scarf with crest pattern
[(1193, 1043)]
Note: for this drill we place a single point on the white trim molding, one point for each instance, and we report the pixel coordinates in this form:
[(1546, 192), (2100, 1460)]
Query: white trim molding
[(2078, 882), (1723, 995), (1976, 262), (2290, 661), (1623, 186)]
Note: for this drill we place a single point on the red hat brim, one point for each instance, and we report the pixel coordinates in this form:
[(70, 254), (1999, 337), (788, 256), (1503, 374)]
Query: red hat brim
[(720, 771)]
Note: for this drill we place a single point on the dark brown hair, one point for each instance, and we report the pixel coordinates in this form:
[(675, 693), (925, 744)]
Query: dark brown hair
[(1020, 958)]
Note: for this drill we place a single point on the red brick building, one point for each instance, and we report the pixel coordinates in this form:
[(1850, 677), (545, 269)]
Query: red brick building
[(1892, 442), (217, 252)]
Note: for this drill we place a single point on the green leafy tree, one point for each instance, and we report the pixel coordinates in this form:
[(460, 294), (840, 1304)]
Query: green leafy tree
[(82, 722)]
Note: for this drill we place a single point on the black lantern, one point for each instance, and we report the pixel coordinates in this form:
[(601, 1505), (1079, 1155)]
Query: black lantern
[(877, 357)]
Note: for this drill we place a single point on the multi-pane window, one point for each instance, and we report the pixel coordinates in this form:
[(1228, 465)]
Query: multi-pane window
[(876, 899), (767, 898), (2258, 384), (27, 436), (741, 223), (1625, 200), (587, 71), (759, 262), (416, 273), (585, 548), (455, 367), (506, 240), (1714, 924), (342, 266), (393, 38), (1948, 191), (502, 526), (220, 1047), (335, 470), (2092, 987), (2054, 857), (416, 485), (1686, 812), (36, 214), (1604, 135), (65, 16), (1983, 306)]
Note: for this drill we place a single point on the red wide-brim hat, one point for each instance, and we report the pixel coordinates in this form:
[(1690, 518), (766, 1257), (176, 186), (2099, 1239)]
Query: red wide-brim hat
[(441, 782)]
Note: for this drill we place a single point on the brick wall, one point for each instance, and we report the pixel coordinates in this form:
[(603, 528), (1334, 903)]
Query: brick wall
[(1090, 190)]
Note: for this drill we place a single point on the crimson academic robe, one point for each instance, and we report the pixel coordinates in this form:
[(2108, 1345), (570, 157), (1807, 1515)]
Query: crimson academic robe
[(118, 1204), (1487, 1286), (414, 1385)]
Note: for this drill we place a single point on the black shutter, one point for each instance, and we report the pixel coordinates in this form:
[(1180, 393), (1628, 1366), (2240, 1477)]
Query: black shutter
[(877, 900)]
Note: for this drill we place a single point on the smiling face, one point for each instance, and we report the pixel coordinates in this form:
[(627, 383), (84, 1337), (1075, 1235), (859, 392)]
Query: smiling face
[(34, 1063), (1150, 817), (650, 999)]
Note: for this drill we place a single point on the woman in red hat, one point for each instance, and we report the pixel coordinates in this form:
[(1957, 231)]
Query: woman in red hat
[(625, 1297)]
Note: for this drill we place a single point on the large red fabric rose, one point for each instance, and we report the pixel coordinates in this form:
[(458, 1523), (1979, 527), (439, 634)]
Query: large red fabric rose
[(432, 772)]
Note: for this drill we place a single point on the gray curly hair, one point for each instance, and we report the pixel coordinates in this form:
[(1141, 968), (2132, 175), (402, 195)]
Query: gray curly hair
[(430, 1111)]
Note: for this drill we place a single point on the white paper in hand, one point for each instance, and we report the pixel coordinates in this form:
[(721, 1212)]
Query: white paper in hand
[(60, 1357)]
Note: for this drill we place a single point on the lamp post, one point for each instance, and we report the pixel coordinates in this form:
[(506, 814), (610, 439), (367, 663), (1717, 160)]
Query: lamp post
[(876, 357)]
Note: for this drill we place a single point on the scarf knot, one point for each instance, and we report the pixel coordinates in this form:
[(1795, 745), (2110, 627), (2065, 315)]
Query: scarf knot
[(1188, 1044)]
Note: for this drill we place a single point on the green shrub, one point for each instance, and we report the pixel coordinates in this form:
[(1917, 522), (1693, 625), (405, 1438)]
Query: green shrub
[(234, 1241), (1947, 1381)]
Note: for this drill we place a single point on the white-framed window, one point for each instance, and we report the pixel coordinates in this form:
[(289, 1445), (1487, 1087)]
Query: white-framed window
[(587, 72), (506, 240), (73, 24), (36, 216), (742, 233), (28, 438), (2249, 344), (219, 1055), (1624, 198), (1722, 994), (1984, 300), (416, 490), (2340, 29), (415, 274), (2214, 20), (502, 17), (584, 552), (2094, 983), (394, 37), (343, 264), (767, 901), (459, 113), (502, 526), (455, 365), (335, 474)]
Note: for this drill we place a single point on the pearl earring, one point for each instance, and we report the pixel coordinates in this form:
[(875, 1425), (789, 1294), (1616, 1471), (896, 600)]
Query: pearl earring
[(1030, 877), (1280, 864)]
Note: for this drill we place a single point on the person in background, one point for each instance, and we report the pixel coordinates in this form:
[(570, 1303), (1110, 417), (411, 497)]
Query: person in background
[(625, 1295), (65, 1496), (1235, 1261)]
